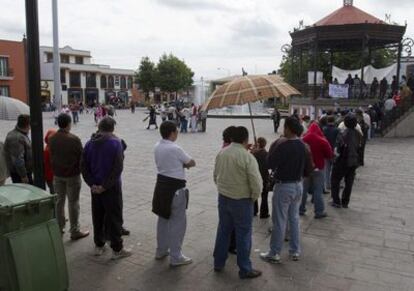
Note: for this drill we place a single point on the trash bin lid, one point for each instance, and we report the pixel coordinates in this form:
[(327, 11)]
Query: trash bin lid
[(20, 193)]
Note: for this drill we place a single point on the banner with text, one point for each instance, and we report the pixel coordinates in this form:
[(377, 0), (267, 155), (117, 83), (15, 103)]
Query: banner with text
[(338, 91)]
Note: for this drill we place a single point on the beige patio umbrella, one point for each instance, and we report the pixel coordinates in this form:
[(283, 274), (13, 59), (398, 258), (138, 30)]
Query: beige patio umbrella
[(248, 89)]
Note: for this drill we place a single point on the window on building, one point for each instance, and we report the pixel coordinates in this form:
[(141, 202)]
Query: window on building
[(117, 81), (111, 82), (62, 76), (129, 82), (64, 59), (49, 57), (103, 82), (75, 79), (123, 82), (5, 91), (4, 66), (90, 80), (79, 60)]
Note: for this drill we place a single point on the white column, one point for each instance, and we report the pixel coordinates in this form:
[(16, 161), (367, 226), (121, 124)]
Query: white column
[(56, 57)]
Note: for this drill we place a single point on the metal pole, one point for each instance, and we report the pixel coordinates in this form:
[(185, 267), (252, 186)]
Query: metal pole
[(35, 101), (399, 63), (56, 58), (251, 120)]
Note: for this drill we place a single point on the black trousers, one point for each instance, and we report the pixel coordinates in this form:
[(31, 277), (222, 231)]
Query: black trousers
[(17, 179), (276, 126), (264, 205), (340, 172), (107, 218)]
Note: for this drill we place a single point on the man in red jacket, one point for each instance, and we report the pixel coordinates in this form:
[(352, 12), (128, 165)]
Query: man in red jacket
[(321, 150)]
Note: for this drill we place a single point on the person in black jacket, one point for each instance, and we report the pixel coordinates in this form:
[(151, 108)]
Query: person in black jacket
[(346, 162), (276, 119), (261, 156)]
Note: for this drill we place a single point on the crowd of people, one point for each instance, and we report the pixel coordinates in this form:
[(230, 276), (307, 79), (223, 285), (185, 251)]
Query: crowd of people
[(309, 159), (381, 89), (188, 118)]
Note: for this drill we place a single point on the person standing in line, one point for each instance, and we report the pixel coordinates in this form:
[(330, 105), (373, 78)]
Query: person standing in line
[(227, 140), (4, 172), (65, 154), (321, 151), (347, 160), (276, 119), (193, 118), (330, 132), (383, 88), (291, 160), (102, 166), (365, 132), (47, 162), (260, 154), (239, 184), (18, 152), (152, 118), (171, 196)]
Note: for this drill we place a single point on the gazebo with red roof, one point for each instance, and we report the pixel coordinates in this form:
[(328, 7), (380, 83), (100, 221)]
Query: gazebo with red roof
[(347, 29)]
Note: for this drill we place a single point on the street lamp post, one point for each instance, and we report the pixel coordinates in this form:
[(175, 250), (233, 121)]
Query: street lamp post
[(56, 58), (35, 101)]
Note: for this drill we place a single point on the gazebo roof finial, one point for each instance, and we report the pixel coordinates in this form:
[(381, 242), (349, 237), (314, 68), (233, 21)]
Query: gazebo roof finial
[(348, 3)]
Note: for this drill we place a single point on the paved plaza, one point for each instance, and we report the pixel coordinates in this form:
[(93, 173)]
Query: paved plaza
[(369, 246)]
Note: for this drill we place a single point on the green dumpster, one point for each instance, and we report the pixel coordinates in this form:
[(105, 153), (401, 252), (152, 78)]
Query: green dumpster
[(32, 257)]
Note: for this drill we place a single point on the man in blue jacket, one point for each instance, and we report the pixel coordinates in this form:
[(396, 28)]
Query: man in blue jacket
[(102, 165)]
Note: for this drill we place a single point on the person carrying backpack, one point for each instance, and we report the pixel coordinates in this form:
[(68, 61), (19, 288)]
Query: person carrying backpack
[(347, 160)]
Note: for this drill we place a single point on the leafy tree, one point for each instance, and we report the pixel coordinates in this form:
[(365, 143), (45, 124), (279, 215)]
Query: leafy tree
[(173, 74), (145, 76)]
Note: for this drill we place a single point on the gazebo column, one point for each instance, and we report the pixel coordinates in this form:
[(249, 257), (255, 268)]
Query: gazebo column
[(363, 59), (331, 61), (315, 68), (292, 65), (399, 62), (300, 65)]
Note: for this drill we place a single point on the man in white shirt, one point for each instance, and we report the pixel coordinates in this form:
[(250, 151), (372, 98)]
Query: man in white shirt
[(171, 195)]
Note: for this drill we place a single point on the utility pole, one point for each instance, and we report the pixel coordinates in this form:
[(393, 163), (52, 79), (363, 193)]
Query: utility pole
[(35, 101), (56, 58)]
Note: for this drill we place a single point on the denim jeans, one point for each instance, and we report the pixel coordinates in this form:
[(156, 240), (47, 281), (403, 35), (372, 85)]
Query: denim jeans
[(238, 215), (285, 203), (328, 172), (314, 183)]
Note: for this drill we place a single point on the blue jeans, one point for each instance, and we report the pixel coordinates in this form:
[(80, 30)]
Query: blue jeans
[(184, 125), (285, 204), (238, 215), (328, 173), (315, 183)]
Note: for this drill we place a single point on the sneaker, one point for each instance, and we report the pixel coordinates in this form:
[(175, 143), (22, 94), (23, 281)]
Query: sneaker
[(344, 205), (79, 234), (182, 261), (125, 232), (336, 205), (160, 257), (99, 251), (320, 216), (267, 257), (121, 254), (295, 257), (251, 275)]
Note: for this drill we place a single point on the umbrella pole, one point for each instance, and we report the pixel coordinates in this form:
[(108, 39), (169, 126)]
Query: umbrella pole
[(251, 120)]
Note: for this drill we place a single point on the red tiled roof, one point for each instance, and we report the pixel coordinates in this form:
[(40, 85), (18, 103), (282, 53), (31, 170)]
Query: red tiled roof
[(348, 15)]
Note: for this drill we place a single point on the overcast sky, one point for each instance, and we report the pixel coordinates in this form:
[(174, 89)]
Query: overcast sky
[(207, 34)]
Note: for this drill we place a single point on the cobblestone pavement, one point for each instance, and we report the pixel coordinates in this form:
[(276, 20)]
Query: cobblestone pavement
[(369, 246)]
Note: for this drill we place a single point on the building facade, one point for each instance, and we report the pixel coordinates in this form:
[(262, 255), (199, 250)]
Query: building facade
[(83, 81), (13, 72)]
